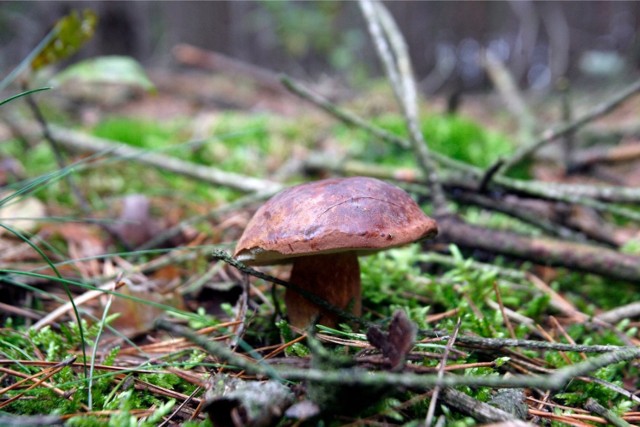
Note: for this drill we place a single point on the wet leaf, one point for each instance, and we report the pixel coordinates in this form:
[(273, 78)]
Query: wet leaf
[(69, 34), (398, 342), (136, 318)]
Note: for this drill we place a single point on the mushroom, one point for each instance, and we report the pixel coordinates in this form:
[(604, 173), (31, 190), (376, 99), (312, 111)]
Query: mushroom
[(322, 227)]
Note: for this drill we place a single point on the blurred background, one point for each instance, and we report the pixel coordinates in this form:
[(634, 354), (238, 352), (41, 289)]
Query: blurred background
[(538, 41)]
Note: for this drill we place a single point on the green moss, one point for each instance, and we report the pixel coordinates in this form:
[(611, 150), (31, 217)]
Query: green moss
[(135, 132), (454, 136)]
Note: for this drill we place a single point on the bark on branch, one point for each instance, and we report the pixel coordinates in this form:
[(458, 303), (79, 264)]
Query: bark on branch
[(587, 258), (80, 142)]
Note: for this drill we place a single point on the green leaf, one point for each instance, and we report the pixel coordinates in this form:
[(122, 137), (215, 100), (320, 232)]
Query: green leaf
[(107, 69), (69, 34)]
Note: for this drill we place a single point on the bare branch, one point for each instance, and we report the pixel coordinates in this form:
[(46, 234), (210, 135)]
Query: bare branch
[(395, 58), (600, 110)]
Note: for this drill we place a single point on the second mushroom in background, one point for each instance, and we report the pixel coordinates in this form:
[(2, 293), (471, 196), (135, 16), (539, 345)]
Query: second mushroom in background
[(322, 227)]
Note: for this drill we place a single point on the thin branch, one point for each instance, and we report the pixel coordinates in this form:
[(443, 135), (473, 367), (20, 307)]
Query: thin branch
[(520, 211), (358, 377), (554, 252), (508, 89), (214, 214), (505, 318), (593, 406), (346, 117), (600, 197), (480, 411), (501, 343), (395, 58), (619, 313), (57, 152), (549, 136), (81, 299), (192, 55), (77, 141), (572, 193), (443, 363)]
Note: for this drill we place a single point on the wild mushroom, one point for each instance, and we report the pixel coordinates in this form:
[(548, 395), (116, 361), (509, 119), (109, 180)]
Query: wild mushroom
[(321, 227)]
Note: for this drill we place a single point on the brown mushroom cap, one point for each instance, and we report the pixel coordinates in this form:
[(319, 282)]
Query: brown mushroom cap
[(333, 215)]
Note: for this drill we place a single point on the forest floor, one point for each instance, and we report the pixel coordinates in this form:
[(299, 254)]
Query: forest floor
[(523, 310)]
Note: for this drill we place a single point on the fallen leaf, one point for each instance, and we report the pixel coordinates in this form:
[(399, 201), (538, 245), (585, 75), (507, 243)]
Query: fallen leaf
[(398, 342), (22, 214), (137, 318), (135, 225)]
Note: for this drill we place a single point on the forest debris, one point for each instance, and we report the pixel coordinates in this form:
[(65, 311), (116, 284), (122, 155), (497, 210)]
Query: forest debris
[(82, 299), (398, 342), (511, 400), (481, 411), (626, 152), (545, 251), (593, 406), (86, 246), (22, 214), (556, 300), (135, 226), (78, 141), (84, 238), (134, 321), (619, 313), (302, 410), (598, 111), (31, 420), (394, 55), (362, 379), (236, 403), (507, 87)]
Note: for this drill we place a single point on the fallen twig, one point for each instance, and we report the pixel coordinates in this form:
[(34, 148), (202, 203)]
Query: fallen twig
[(593, 406), (192, 55), (357, 377), (501, 343), (508, 89), (597, 112), (617, 154), (395, 58), (443, 363), (78, 141), (63, 309), (346, 117), (587, 258), (619, 313), (482, 412)]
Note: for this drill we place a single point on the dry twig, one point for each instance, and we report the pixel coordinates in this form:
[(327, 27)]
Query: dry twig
[(395, 58)]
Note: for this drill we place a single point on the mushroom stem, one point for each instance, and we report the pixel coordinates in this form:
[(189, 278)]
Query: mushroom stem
[(332, 277)]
